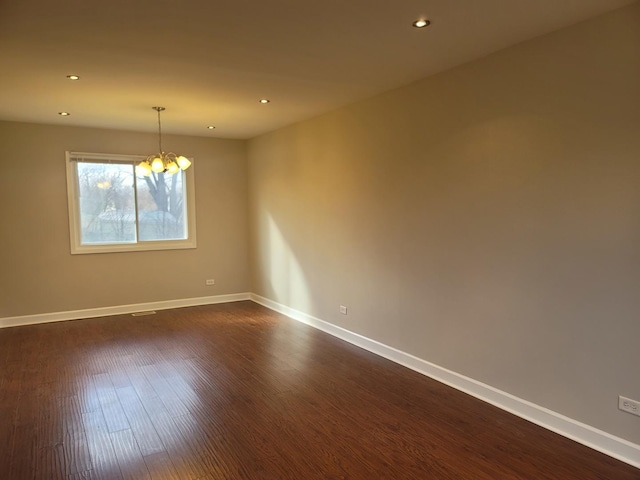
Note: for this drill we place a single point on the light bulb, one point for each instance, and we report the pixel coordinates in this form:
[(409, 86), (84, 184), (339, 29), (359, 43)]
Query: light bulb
[(421, 23), (183, 162), (157, 165), (143, 169), (172, 167)]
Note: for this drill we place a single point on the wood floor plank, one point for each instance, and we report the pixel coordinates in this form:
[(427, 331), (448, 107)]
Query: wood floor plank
[(182, 451), (104, 463), (24, 457), (75, 445), (130, 460), (51, 463), (161, 467), (112, 411), (236, 391), (164, 391), (141, 424)]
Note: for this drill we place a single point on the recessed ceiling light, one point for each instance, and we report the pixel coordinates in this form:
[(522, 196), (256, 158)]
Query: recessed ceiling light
[(64, 114), (211, 127), (423, 22), (265, 100), (73, 77)]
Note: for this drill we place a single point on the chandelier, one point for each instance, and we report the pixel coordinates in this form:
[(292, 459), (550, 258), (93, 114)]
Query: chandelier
[(162, 162)]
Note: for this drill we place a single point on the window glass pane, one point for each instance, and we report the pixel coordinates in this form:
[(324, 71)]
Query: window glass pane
[(162, 207), (106, 203), (111, 209)]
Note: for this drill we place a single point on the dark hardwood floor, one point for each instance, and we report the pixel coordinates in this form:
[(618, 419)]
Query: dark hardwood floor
[(236, 391)]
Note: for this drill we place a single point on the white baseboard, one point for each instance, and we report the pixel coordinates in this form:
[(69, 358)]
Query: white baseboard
[(599, 440), (119, 310)]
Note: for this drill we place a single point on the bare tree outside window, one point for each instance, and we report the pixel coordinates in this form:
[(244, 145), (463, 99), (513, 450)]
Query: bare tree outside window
[(161, 206)]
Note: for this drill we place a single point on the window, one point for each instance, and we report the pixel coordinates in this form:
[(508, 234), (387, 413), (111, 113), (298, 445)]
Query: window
[(111, 209)]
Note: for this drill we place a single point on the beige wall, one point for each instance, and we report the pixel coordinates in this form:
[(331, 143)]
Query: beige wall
[(39, 275), (486, 219)]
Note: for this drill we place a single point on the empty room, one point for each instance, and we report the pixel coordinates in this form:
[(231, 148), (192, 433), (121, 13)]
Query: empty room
[(320, 240)]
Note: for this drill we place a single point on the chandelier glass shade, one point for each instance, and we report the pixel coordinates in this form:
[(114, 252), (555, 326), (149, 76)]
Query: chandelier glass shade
[(162, 162)]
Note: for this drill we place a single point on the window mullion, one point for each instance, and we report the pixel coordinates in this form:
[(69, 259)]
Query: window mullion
[(135, 203)]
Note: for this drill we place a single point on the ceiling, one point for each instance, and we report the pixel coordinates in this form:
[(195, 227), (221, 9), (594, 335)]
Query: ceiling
[(209, 62)]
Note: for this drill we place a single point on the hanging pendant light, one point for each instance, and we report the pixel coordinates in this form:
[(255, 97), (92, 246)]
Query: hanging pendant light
[(162, 162)]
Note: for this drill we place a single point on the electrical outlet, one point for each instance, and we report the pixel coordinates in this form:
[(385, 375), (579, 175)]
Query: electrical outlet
[(628, 405), (343, 310), (210, 281)]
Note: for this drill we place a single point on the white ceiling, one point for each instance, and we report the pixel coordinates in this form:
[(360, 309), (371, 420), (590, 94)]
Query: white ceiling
[(209, 62)]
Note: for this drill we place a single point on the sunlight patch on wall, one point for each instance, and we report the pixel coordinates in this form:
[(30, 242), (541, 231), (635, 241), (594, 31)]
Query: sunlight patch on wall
[(286, 276)]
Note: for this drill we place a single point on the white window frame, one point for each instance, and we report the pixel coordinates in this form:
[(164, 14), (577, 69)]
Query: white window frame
[(140, 245)]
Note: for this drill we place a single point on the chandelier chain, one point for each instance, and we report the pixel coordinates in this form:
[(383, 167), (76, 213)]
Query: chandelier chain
[(159, 109)]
